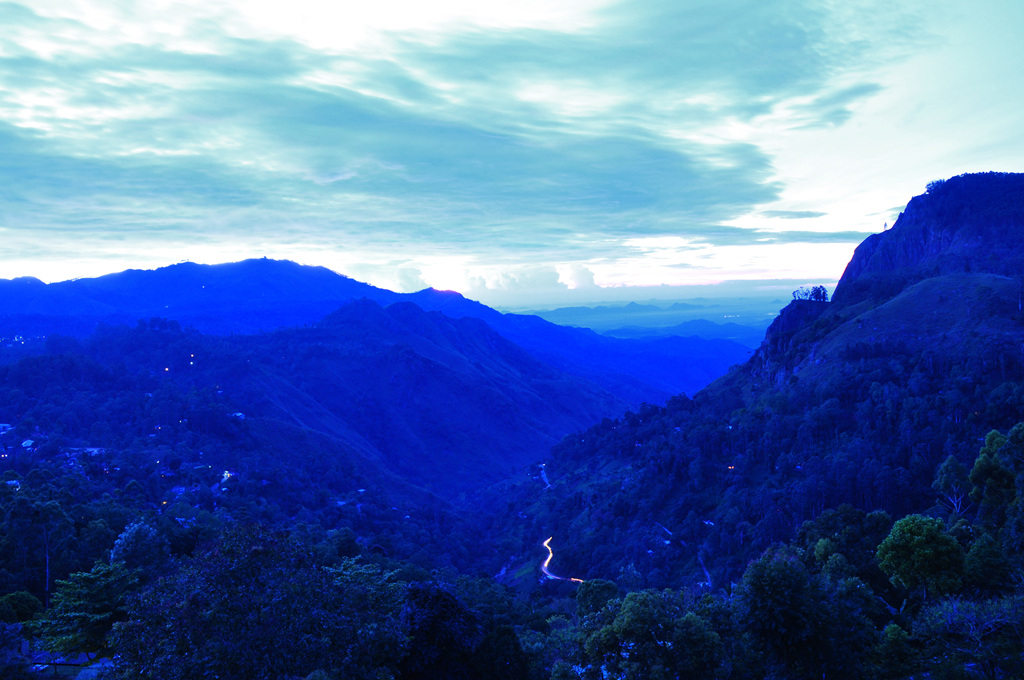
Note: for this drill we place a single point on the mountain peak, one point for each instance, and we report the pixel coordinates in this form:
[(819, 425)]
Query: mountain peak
[(967, 224)]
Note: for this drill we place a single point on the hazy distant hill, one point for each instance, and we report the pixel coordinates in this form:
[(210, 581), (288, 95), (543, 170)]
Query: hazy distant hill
[(748, 336), (753, 312), (670, 364), (855, 401), (262, 295)]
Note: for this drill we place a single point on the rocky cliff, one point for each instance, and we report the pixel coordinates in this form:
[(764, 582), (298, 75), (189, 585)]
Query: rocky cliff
[(948, 275), (966, 224)]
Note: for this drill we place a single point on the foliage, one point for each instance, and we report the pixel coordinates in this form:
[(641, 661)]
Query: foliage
[(918, 553), (442, 633), (650, 634), (85, 608), (953, 485), (986, 635), (22, 605), (814, 294), (594, 594), (986, 567), (780, 608), (141, 547), (12, 664), (257, 606)]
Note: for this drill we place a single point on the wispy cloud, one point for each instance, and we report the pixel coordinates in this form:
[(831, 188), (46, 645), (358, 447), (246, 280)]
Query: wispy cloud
[(513, 142)]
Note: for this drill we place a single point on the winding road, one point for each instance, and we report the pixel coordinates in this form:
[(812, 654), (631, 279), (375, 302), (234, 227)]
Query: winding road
[(547, 572)]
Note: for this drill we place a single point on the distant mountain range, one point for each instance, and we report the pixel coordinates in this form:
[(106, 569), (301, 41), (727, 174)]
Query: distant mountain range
[(262, 295), (751, 314), (748, 336)]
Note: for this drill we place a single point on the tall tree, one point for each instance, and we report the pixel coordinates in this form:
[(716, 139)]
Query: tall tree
[(953, 486), (778, 605)]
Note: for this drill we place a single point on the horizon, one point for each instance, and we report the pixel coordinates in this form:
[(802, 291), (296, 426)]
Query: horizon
[(525, 155), (712, 295)]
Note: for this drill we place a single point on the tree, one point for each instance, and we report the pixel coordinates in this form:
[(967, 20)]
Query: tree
[(141, 547), (500, 656), (986, 567), (85, 608), (918, 553), (814, 294), (594, 594), (952, 484), (38, 532), (993, 487), (778, 606), (651, 634), (12, 663), (23, 605), (985, 637), (893, 655), (257, 606), (442, 633)]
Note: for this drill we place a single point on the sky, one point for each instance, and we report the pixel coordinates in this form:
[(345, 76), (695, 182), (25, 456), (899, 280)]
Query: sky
[(530, 152)]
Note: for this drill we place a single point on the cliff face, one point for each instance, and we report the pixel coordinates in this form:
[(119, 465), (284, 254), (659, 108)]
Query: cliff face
[(966, 224), (954, 257)]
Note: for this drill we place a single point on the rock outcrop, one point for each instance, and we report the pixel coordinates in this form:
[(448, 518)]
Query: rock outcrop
[(966, 224)]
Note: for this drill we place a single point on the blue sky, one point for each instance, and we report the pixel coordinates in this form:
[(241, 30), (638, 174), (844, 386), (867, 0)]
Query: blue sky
[(525, 152)]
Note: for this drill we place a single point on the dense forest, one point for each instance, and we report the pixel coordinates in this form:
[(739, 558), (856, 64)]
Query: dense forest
[(849, 503)]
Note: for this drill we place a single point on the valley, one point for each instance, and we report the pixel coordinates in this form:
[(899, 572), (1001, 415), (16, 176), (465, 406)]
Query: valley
[(267, 456)]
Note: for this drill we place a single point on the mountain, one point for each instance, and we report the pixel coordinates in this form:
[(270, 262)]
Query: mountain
[(263, 295), (748, 336), (969, 223), (744, 308), (240, 297), (630, 367), (409, 402), (446, 403), (857, 401)]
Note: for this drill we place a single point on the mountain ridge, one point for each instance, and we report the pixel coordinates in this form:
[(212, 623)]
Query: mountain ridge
[(264, 294)]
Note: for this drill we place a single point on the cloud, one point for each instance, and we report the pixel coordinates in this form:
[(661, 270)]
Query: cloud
[(793, 214), (528, 145)]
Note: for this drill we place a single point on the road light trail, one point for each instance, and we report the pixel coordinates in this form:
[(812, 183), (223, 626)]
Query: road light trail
[(544, 567)]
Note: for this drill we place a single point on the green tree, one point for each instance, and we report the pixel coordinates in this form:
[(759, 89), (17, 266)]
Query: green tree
[(442, 633), (23, 605), (778, 605), (141, 547), (918, 553), (986, 637), (986, 567), (263, 593), (85, 608), (594, 594), (894, 656), (993, 487), (12, 663), (651, 634)]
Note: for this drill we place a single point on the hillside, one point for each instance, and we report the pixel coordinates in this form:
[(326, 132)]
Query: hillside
[(853, 401), (406, 399)]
